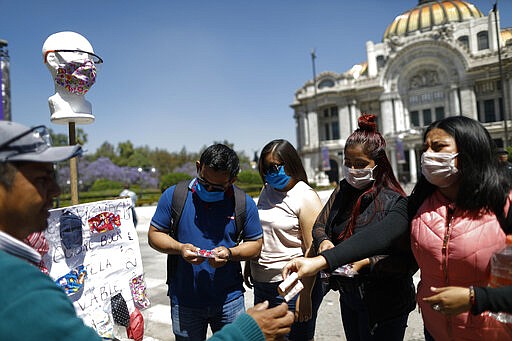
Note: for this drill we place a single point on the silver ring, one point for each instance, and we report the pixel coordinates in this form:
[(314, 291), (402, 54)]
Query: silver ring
[(436, 307)]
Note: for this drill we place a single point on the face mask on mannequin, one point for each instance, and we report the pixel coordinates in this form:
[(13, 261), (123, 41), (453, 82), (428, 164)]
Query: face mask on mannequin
[(439, 168), (358, 178), (208, 196), (277, 179), (76, 77)]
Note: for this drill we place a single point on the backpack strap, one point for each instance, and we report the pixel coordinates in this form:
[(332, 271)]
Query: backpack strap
[(177, 204), (240, 213)]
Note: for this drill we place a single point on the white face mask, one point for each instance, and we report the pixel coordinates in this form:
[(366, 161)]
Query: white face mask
[(358, 178), (439, 168)]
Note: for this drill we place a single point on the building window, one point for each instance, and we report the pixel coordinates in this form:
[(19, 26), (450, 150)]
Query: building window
[(330, 123), (502, 113), (483, 40), (335, 128), (439, 113), (334, 111), (464, 40), (489, 111), (381, 61), (421, 118), (427, 116), (326, 83), (415, 118)]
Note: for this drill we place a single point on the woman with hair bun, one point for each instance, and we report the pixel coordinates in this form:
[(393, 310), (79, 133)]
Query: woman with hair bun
[(375, 281)]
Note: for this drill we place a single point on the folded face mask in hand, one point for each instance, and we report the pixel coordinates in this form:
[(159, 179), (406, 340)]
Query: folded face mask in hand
[(290, 287)]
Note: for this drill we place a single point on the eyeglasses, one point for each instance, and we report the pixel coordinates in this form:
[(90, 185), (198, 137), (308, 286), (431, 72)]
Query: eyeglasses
[(91, 56), (40, 141), (209, 186), (274, 168)]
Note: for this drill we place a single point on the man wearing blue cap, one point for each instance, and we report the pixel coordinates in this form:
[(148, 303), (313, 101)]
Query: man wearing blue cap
[(32, 307)]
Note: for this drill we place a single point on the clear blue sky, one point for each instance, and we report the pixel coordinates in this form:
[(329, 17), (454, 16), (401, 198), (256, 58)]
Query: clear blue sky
[(190, 72)]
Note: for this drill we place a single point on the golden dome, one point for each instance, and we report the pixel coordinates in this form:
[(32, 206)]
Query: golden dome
[(430, 13), (506, 36)]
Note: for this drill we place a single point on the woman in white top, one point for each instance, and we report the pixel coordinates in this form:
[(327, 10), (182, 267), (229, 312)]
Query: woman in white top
[(288, 208)]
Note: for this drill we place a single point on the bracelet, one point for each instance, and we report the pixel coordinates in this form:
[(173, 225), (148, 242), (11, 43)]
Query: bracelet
[(472, 296), (230, 253)]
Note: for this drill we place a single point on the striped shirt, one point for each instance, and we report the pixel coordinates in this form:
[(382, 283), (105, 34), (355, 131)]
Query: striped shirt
[(18, 248)]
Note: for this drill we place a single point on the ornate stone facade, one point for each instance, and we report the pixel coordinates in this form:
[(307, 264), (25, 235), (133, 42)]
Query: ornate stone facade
[(436, 60)]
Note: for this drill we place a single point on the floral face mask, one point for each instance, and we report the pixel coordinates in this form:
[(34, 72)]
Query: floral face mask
[(76, 77)]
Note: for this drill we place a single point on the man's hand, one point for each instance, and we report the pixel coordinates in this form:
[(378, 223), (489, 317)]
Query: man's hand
[(222, 256), (449, 300), (275, 322), (189, 254), (325, 245), (248, 275)]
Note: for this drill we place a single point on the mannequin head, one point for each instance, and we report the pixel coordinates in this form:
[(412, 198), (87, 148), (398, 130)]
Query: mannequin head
[(72, 63)]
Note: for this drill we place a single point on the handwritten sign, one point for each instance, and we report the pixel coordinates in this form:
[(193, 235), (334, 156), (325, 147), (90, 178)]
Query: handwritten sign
[(101, 239)]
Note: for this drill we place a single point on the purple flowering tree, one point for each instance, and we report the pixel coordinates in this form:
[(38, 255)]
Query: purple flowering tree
[(104, 168)]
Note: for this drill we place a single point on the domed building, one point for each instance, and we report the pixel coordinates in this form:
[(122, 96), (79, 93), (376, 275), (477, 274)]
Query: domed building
[(436, 60)]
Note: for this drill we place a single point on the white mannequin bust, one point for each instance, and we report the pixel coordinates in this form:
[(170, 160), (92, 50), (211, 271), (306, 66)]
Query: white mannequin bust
[(60, 51)]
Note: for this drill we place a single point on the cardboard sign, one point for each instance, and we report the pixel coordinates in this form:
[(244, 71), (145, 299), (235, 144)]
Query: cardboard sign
[(94, 255)]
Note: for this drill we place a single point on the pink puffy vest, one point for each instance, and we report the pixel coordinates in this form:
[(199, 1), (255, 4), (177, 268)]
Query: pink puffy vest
[(455, 253)]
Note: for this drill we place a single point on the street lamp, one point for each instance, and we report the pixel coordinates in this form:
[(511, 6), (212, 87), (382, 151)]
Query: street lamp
[(140, 181)]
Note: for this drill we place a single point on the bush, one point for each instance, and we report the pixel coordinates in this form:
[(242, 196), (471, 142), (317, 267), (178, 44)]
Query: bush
[(172, 179), (103, 184), (251, 177)]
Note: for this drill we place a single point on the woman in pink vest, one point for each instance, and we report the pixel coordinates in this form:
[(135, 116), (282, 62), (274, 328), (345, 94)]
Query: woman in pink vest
[(455, 229)]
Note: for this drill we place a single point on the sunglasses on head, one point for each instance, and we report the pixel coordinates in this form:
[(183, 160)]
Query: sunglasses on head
[(89, 55), (209, 186), (42, 141)]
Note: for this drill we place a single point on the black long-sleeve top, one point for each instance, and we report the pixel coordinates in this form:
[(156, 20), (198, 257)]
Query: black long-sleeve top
[(493, 299), (384, 236)]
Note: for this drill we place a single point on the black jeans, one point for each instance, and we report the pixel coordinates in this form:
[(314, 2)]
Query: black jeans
[(354, 315)]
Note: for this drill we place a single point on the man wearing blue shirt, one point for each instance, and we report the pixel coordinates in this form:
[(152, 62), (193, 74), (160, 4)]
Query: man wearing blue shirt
[(207, 291)]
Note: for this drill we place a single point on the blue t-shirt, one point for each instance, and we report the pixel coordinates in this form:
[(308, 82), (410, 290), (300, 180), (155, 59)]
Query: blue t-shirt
[(206, 225)]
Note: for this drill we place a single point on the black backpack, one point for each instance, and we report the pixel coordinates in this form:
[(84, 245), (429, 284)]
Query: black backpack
[(179, 198)]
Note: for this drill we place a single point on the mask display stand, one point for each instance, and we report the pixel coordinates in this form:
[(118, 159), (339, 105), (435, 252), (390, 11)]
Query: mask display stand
[(72, 63)]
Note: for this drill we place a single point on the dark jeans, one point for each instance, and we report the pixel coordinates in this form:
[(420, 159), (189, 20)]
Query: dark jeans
[(300, 330), (134, 216), (191, 324), (354, 315)]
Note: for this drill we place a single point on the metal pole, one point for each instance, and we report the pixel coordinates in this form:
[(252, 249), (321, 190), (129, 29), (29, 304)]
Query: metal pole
[(5, 84), (313, 57), (73, 168), (502, 79)]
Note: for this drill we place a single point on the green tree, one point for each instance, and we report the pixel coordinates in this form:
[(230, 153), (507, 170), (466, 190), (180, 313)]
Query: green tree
[(105, 150), (124, 150), (63, 139), (163, 161)]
